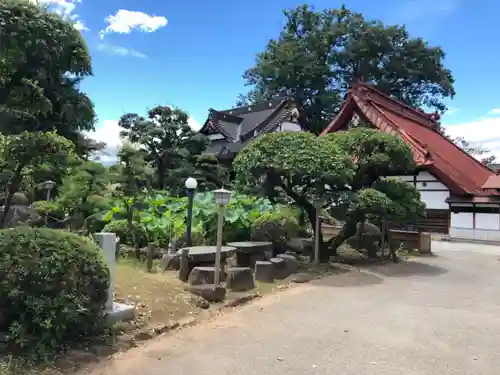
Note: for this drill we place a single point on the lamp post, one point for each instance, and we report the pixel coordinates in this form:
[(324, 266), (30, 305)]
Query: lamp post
[(49, 185), (191, 185), (222, 197)]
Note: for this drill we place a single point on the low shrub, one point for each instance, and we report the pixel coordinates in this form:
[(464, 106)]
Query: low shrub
[(197, 239), (276, 227), (51, 214), (122, 230), (20, 199), (53, 288)]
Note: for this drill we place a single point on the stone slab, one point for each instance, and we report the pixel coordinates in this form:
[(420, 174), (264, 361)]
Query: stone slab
[(120, 313)]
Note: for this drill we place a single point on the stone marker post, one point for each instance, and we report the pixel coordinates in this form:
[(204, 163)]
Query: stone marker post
[(107, 241), (114, 311)]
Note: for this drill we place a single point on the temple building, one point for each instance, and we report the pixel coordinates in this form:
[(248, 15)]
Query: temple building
[(461, 194), (230, 130)]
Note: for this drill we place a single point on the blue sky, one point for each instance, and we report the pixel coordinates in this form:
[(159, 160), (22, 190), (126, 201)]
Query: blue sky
[(192, 53)]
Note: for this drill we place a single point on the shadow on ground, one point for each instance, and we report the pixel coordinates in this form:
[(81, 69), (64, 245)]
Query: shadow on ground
[(349, 279), (407, 268)]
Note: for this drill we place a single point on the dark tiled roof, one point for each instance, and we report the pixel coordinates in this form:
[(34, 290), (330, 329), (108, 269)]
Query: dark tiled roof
[(463, 174), (239, 125)]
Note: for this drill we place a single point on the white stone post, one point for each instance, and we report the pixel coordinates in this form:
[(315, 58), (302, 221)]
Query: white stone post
[(115, 312), (107, 241)]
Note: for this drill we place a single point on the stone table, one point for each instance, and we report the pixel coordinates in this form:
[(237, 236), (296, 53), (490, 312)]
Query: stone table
[(206, 254), (247, 253)]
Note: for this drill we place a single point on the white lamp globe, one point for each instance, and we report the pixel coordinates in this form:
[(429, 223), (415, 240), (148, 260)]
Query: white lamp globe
[(191, 183)]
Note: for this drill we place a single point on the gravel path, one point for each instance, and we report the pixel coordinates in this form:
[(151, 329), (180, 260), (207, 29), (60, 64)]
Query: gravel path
[(437, 315)]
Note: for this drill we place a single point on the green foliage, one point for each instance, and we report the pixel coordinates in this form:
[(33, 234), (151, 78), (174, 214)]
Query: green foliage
[(375, 154), (277, 227), (319, 53), (209, 173), (20, 198), (53, 287), (405, 204), (197, 239), (42, 62), (164, 217), (78, 194), (169, 142), (20, 153), (300, 166), (124, 231), (49, 209)]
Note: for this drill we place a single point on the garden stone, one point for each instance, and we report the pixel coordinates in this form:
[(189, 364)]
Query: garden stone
[(300, 278), (170, 262), (292, 264), (280, 270), (264, 271), (184, 265), (202, 275), (240, 279), (200, 302), (210, 292)]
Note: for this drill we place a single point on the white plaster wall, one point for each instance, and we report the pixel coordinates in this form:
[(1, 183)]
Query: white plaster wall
[(488, 221), (464, 220), (475, 234), (433, 192)]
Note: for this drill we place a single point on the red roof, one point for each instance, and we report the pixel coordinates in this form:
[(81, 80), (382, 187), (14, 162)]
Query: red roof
[(462, 173)]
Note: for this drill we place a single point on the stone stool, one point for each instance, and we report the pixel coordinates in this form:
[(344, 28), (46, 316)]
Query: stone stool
[(240, 279)]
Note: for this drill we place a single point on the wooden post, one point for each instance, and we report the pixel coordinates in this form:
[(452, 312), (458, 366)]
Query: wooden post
[(149, 256)]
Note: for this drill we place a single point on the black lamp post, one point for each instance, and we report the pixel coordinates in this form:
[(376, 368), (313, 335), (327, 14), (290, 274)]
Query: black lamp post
[(191, 185)]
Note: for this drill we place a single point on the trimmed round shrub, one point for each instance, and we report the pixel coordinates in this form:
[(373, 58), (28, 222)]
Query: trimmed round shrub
[(276, 227), (121, 229), (52, 211), (197, 239), (53, 288), (20, 199)]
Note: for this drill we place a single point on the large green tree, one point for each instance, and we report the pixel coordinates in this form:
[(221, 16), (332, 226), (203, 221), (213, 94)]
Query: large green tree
[(344, 171), (319, 53), (43, 59), (169, 142)]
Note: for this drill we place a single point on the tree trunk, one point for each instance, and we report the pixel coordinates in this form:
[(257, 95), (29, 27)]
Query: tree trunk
[(161, 175), (348, 230)]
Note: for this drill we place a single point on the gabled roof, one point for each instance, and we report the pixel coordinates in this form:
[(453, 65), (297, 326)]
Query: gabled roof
[(463, 174), (239, 125)]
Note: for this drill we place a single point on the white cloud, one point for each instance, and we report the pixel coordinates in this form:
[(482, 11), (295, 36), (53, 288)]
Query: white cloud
[(80, 26), (494, 111), (120, 51), (65, 8), (124, 21), (484, 132), (109, 133)]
